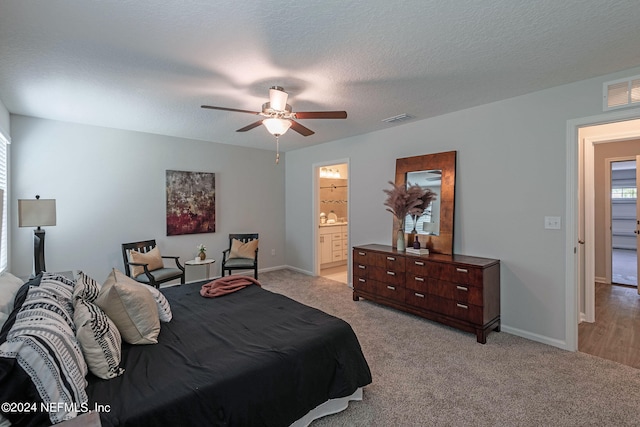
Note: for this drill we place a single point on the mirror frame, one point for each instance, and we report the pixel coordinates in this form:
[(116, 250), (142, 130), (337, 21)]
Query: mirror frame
[(443, 243)]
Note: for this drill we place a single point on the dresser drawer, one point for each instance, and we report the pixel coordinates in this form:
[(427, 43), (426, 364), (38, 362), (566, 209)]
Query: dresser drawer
[(336, 245), (336, 236), (461, 274), (453, 291), (423, 268), (363, 284), (361, 269), (363, 257), (388, 290), (457, 309), (390, 262), (387, 276), (417, 298)]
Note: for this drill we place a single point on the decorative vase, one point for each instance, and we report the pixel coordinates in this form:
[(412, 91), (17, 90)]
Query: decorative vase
[(416, 243), (415, 222), (202, 255), (400, 245)]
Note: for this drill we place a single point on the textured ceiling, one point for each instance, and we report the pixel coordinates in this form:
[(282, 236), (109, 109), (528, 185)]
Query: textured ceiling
[(148, 65)]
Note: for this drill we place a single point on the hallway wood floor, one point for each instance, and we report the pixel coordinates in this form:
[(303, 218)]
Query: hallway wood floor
[(615, 335)]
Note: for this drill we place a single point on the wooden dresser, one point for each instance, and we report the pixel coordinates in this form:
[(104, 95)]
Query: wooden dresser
[(457, 290)]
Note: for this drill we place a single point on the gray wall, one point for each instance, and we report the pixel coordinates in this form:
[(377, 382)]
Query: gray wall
[(511, 173), (110, 188)]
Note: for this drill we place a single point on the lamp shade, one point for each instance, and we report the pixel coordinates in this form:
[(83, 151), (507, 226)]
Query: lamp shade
[(36, 212), (278, 98), (277, 127)]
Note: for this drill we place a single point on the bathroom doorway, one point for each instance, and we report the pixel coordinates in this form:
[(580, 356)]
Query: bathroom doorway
[(333, 221)]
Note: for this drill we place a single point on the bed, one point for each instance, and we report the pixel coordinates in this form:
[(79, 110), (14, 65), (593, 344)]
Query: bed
[(249, 358)]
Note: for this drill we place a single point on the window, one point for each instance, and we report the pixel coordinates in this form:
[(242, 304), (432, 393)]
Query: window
[(624, 193), (4, 240)]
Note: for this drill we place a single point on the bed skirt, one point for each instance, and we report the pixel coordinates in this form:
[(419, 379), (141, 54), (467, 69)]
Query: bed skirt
[(332, 406)]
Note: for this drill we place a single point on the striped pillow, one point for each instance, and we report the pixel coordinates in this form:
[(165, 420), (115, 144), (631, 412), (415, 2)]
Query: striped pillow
[(86, 288), (42, 342), (99, 339)]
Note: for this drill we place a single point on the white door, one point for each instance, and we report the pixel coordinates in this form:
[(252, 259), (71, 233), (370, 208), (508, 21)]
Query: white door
[(624, 222)]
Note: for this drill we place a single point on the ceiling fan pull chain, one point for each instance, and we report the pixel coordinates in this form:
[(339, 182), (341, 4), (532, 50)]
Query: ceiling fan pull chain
[(277, 149)]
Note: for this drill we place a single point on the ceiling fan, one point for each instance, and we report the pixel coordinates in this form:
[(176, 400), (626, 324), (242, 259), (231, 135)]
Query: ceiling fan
[(279, 116)]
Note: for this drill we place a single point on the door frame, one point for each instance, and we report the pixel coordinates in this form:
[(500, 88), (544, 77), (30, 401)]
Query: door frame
[(573, 262), (589, 314), (315, 171)]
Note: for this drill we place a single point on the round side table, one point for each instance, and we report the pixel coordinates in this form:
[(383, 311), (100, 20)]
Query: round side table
[(206, 262)]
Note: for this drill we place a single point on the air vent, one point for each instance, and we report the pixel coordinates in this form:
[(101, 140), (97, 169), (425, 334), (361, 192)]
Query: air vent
[(621, 93), (399, 118)]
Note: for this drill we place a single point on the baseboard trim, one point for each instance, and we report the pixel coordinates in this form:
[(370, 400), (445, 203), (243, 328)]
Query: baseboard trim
[(602, 280), (299, 270), (535, 337)]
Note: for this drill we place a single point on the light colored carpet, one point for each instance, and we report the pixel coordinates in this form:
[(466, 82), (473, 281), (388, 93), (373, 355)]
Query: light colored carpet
[(427, 374)]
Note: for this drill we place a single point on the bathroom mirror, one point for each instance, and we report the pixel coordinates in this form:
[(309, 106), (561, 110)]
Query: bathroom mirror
[(438, 173)]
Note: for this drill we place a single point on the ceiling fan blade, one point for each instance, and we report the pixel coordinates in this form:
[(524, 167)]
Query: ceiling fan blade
[(251, 126), (301, 129), (229, 109), (321, 115)]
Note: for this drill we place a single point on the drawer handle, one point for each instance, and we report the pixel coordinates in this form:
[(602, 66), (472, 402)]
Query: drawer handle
[(391, 273), (462, 270), (419, 295), (361, 280), (393, 288), (390, 258), (362, 266), (462, 288), (419, 262), (362, 253), (462, 306), (419, 279)]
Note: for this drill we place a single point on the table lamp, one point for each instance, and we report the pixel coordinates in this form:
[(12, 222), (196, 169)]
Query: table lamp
[(37, 213)]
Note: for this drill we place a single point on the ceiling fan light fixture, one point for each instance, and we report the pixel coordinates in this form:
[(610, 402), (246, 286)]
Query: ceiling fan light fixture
[(278, 98), (277, 127)]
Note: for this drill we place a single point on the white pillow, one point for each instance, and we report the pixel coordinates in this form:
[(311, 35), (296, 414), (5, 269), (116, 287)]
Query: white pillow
[(164, 309), (9, 285), (132, 309)]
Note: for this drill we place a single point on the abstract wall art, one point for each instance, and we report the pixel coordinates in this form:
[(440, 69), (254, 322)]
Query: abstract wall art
[(191, 202)]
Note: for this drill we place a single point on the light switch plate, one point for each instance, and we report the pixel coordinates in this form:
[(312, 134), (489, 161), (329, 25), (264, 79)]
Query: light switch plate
[(552, 222)]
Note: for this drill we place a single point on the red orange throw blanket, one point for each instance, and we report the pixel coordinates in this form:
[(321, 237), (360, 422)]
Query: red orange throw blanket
[(226, 285)]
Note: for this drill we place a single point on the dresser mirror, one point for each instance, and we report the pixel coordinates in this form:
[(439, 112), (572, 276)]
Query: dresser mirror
[(438, 173)]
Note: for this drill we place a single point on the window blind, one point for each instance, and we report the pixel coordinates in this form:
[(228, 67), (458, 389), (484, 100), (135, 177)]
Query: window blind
[(4, 239)]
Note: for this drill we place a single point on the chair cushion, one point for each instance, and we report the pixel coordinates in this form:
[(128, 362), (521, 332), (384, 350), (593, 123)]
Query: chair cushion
[(132, 309), (239, 263), (243, 250), (160, 275), (153, 258)]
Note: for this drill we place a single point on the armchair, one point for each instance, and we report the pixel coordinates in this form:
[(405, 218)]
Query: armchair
[(145, 265), (242, 254)]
